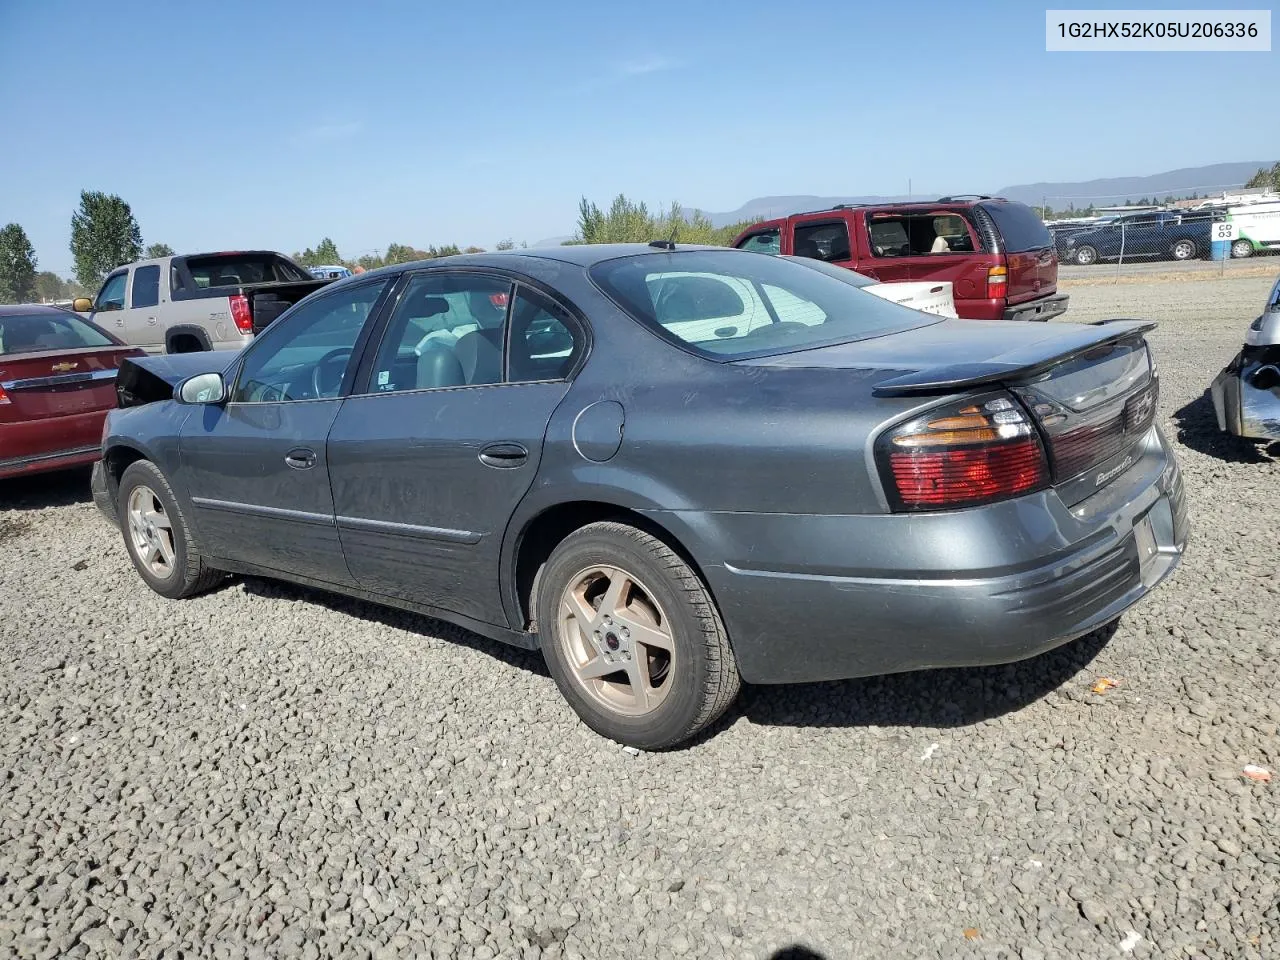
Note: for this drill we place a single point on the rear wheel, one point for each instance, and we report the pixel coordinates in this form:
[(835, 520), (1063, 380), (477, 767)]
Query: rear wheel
[(1184, 250), (633, 638), (156, 535), (1086, 255), (1241, 249)]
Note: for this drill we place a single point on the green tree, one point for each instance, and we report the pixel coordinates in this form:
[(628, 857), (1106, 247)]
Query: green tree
[(49, 286), (1268, 179), (17, 265), (327, 253), (507, 244), (104, 235), (630, 222), (158, 250)]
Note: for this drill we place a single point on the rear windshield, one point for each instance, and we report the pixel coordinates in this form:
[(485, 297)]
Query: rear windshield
[(234, 269), (29, 333), (729, 304), (1020, 227)]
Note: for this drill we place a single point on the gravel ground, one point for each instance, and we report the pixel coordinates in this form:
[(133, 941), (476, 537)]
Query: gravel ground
[(269, 771)]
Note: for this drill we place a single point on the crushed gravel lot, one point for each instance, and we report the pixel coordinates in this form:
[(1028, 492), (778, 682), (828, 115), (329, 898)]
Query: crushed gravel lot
[(269, 771)]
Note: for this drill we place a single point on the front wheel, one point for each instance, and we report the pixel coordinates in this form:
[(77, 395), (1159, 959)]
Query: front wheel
[(1184, 250), (156, 535), (1086, 255), (1241, 249), (633, 638)]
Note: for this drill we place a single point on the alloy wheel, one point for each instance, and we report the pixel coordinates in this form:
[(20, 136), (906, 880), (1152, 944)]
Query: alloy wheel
[(150, 532), (617, 640)]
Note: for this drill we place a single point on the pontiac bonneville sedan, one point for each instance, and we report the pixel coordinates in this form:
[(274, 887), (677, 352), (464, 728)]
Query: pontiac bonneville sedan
[(670, 469)]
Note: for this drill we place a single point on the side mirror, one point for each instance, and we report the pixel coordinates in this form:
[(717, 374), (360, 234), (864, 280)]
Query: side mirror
[(202, 388), (82, 305)]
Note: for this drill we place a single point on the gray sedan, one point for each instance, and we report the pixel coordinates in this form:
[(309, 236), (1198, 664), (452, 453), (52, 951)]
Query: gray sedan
[(671, 470)]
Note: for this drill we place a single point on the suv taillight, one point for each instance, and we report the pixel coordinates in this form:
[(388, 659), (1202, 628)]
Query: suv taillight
[(241, 314), (997, 282), (974, 451)]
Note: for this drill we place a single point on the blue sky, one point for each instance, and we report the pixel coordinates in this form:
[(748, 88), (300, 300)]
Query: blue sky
[(247, 123)]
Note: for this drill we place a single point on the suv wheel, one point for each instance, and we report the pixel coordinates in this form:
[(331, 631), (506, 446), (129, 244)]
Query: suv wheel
[(157, 537), (1184, 250), (633, 638), (1241, 249), (1086, 255)]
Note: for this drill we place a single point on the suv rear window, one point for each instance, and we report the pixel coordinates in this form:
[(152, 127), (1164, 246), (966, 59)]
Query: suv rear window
[(1019, 226), (234, 269)]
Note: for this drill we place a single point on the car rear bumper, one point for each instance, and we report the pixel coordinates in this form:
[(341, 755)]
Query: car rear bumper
[(1045, 308), (1246, 394), (810, 598), (50, 443)]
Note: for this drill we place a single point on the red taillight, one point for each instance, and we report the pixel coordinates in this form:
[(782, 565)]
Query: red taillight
[(961, 455), (997, 282), (4, 397), (241, 314), (499, 300)]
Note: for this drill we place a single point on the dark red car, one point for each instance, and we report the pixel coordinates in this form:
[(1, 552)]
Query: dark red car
[(997, 254), (57, 382)]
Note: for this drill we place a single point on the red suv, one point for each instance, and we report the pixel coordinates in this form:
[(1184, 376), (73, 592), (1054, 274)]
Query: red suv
[(997, 254)]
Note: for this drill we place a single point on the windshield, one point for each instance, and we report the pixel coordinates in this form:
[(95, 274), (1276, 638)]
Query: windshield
[(728, 304), (27, 333), (235, 269)]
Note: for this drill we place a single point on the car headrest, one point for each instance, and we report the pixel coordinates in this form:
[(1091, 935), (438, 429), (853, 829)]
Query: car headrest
[(425, 305)]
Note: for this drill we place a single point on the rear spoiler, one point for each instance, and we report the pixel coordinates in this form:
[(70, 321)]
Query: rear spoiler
[(1019, 363)]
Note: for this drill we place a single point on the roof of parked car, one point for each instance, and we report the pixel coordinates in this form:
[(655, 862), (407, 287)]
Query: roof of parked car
[(26, 309)]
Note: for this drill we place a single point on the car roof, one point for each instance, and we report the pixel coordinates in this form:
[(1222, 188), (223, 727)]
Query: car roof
[(27, 309), (580, 254)]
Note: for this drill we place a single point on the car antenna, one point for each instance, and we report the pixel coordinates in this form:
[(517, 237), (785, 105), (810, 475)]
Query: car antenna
[(667, 244)]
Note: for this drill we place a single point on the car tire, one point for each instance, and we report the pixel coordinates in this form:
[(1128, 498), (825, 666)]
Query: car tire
[(1241, 249), (1184, 250), (1086, 256), (611, 595), (157, 536)]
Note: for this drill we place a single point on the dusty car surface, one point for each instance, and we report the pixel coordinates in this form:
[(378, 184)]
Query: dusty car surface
[(1246, 394), (671, 470)]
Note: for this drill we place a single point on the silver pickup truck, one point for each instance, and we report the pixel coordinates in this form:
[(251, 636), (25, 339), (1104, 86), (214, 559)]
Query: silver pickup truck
[(204, 301)]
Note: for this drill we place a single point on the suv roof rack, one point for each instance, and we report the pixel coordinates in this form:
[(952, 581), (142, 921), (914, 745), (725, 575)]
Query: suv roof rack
[(966, 196)]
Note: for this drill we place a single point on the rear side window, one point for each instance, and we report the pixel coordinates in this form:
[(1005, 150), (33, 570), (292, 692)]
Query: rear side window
[(1020, 227), (919, 233), (766, 241), (146, 287), (828, 242)]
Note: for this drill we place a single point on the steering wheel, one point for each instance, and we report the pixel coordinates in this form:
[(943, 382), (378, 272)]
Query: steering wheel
[(318, 373)]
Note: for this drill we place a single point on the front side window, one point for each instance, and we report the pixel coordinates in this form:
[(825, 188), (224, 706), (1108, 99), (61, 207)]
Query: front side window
[(766, 241), (146, 287), (111, 296), (447, 331), (727, 306), (828, 242), (306, 355), (27, 333)]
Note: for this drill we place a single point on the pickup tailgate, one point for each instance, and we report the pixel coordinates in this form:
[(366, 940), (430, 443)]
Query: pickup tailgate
[(268, 300)]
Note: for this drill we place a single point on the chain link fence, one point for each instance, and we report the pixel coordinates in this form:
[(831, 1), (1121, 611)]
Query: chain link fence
[(1230, 227)]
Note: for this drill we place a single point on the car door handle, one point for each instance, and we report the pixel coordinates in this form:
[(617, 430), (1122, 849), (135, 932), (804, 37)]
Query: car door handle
[(300, 459), (151, 320), (503, 455)]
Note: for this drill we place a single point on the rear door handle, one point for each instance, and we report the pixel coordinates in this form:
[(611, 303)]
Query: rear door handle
[(300, 459), (504, 455)]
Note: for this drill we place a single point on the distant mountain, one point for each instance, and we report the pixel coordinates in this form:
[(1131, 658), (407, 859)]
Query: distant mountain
[(1210, 179)]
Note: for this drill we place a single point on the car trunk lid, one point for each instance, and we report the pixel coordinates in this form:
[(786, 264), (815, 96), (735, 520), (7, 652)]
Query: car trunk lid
[(56, 383), (1090, 388)]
